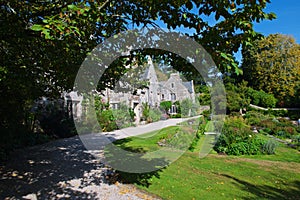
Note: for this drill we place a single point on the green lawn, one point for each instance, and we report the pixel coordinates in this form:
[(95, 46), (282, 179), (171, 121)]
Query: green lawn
[(218, 177)]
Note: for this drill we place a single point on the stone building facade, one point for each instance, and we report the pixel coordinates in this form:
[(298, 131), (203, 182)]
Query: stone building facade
[(174, 89)]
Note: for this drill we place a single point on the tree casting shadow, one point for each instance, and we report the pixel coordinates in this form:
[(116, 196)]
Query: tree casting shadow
[(44, 170), (266, 191)]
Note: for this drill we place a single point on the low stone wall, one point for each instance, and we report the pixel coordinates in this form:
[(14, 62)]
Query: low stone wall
[(261, 108)]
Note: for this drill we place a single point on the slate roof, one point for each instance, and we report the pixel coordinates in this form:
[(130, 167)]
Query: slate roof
[(189, 86)]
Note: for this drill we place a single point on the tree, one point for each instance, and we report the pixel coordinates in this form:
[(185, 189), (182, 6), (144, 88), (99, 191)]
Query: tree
[(272, 64), (98, 20), (237, 96), (261, 98), (146, 112), (165, 106), (204, 94), (43, 43), (186, 107)]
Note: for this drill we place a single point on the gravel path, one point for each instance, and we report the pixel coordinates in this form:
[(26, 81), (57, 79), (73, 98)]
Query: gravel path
[(64, 169), (141, 129), (61, 169)]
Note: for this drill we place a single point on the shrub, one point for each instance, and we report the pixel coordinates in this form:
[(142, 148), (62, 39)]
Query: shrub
[(178, 115), (269, 147), (267, 130), (284, 122), (261, 131), (204, 99), (235, 114), (201, 127), (123, 116), (237, 149), (53, 119), (155, 114), (236, 101), (131, 114), (285, 131), (146, 112), (254, 96), (254, 117), (282, 134), (236, 122), (293, 114), (296, 141), (238, 139), (200, 131), (290, 130), (256, 146), (281, 127), (261, 98), (165, 106), (277, 113), (186, 107), (107, 121), (268, 124), (267, 100), (206, 113)]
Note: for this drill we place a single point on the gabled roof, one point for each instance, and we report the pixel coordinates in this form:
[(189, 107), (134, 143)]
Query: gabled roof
[(189, 86), (150, 73)]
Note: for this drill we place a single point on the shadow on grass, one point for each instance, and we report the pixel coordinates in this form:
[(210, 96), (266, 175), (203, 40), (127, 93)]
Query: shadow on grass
[(143, 179), (131, 165), (122, 144), (266, 191)]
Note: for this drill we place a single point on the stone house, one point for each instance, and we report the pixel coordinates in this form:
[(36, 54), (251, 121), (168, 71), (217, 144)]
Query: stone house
[(173, 89)]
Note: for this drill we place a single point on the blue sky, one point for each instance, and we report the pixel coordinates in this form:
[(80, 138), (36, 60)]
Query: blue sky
[(288, 19)]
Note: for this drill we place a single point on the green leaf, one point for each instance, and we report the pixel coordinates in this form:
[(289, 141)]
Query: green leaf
[(72, 7), (272, 16), (37, 27), (238, 70), (224, 55), (47, 33)]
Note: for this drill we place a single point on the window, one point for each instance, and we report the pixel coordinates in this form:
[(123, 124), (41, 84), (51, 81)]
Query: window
[(115, 106), (172, 85), (162, 96), (173, 96), (173, 109)]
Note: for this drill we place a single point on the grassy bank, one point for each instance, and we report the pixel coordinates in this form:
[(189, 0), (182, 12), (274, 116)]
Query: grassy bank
[(218, 177)]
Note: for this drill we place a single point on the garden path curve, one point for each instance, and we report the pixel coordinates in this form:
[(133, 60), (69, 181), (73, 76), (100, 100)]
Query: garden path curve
[(64, 169)]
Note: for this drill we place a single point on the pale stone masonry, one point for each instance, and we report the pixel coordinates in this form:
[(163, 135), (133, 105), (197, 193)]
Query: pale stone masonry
[(174, 89)]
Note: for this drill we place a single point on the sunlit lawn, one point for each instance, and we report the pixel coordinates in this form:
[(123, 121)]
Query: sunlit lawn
[(222, 177)]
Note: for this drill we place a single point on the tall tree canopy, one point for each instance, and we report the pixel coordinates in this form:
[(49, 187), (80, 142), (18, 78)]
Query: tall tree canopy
[(272, 64), (43, 43)]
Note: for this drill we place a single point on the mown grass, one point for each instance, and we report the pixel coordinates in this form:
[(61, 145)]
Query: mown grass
[(220, 177)]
